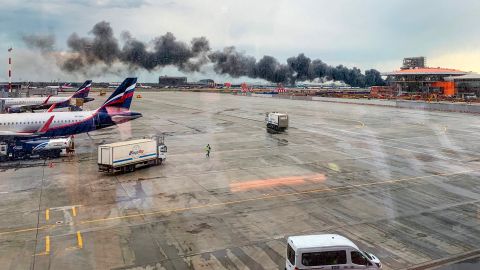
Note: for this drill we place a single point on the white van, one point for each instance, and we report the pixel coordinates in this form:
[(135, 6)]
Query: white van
[(327, 251)]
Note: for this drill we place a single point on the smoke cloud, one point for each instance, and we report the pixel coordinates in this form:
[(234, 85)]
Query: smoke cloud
[(298, 68), (44, 43), (103, 49), (231, 62)]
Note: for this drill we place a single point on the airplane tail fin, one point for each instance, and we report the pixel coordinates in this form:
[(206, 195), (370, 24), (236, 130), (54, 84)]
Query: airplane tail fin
[(83, 90), (121, 98)]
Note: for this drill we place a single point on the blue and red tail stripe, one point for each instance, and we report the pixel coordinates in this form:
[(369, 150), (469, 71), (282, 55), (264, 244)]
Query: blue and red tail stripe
[(83, 90), (122, 96)]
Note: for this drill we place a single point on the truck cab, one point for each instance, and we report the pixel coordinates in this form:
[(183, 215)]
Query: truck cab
[(3, 151), (327, 251), (162, 152)]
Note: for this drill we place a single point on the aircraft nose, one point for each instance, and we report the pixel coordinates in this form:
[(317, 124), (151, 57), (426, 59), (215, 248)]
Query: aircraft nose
[(124, 117), (135, 115)]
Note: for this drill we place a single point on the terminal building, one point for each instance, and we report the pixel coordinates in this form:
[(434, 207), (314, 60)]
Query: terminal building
[(181, 82), (414, 77), (207, 82), (466, 85), (171, 81)]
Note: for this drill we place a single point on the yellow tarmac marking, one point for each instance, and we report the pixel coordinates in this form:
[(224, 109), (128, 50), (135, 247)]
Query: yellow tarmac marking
[(266, 197), (47, 214), (74, 211), (47, 247), (79, 239), (79, 242), (47, 244)]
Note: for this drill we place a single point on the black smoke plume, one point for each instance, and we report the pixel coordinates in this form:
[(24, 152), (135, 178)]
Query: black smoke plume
[(103, 48), (231, 62), (162, 51), (299, 68)]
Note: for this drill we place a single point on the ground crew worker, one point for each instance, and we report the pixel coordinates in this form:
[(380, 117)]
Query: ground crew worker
[(208, 149), (71, 148)]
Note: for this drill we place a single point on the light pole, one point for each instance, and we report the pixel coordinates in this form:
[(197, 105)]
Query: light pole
[(10, 69)]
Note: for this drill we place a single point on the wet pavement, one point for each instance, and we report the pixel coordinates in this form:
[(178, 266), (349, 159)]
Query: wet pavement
[(469, 264), (402, 184)]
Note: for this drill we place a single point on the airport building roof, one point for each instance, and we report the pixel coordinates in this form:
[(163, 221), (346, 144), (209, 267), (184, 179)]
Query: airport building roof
[(469, 76), (426, 71)]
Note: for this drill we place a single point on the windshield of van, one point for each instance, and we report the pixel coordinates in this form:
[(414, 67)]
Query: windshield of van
[(366, 254), (324, 258), (358, 258), (290, 254)]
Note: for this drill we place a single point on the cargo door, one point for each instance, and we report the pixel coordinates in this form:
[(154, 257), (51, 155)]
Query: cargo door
[(283, 121), (105, 156), (96, 121)]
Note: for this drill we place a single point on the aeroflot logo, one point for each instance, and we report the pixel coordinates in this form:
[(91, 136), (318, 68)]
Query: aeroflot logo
[(136, 151)]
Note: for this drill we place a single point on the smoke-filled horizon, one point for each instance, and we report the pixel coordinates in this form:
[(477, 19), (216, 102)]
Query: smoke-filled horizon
[(103, 48)]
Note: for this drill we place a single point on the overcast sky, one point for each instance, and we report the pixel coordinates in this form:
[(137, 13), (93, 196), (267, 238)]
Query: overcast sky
[(366, 34)]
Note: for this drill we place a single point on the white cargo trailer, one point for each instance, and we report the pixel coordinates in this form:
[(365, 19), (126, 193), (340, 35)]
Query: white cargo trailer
[(276, 121), (125, 156)]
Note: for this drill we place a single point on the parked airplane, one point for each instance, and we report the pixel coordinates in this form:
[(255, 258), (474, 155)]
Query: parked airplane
[(144, 86), (60, 88), (16, 105), (114, 111), (113, 85)]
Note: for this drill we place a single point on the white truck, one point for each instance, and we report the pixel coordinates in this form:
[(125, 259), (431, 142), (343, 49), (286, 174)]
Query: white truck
[(125, 156), (276, 121)]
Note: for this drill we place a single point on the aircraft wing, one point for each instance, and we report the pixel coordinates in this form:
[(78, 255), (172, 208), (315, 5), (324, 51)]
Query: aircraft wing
[(52, 107), (22, 108), (45, 126), (27, 107)]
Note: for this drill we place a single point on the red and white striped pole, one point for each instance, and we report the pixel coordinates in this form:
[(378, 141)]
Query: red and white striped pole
[(10, 69)]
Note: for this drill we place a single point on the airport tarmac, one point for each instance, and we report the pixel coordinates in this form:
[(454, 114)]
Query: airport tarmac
[(402, 184)]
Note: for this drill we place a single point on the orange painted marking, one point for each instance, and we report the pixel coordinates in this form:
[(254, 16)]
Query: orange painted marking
[(274, 182)]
